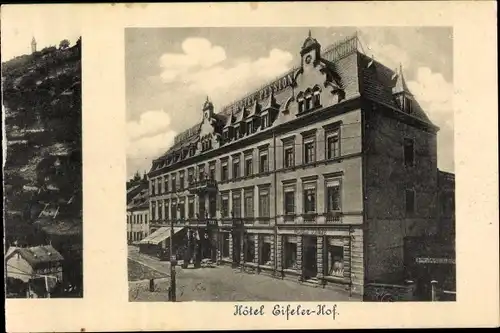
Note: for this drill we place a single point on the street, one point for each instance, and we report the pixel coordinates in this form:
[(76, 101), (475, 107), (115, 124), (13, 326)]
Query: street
[(218, 283)]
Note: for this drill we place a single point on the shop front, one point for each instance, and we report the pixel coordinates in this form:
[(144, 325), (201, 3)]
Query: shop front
[(318, 256)]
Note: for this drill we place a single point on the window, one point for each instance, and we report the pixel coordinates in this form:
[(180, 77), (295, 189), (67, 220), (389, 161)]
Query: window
[(409, 152), (289, 158), (182, 210), (212, 171), (307, 103), (237, 132), (166, 209), (225, 245), (236, 205), (265, 250), (181, 180), (333, 144), (248, 166), (316, 99), (264, 202), (263, 162), (408, 105), (335, 257), (250, 127), (153, 210), (249, 203), (191, 208), (309, 199), (236, 168), (201, 208), (289, 201), (301, 105), (224, 171), (225, 205), (249, 248), (190, 176), (290, 252), (410, 202), (153, 187), (309, 150), (157, 185), (333, 196), (201, 172), (265, 121), (174, 183)]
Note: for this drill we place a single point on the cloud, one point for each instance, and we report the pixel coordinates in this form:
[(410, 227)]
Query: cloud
[(187, 78), (225, 84), (148, 137), (198, 52), (435, 95), (384, 52), (149, 123)]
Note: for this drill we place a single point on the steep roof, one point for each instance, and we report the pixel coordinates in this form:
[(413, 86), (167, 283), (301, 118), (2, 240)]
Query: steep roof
[(377, 81), (36, 255)]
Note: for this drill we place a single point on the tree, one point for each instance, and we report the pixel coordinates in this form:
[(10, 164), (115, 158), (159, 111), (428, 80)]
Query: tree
[(64, 44)]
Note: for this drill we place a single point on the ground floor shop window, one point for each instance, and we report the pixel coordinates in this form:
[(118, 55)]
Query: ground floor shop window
[(265, 250), (335, 258), (249, 248), (225, 245), (290, 252)]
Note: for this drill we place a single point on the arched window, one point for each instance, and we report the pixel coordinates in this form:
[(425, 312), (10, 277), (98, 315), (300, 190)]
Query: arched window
[(300, 102), (316, 101), (308, 100)]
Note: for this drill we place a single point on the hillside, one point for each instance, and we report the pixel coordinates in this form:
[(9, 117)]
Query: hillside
[(43, 168)]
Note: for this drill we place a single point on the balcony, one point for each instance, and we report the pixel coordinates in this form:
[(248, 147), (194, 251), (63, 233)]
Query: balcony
[(333, 217), (202, 186), (309, 218)]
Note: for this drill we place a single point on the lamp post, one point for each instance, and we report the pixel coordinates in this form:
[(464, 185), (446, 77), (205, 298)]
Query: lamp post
[(173, 261)]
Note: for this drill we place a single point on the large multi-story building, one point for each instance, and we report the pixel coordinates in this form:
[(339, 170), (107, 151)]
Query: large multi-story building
[(318, 176)]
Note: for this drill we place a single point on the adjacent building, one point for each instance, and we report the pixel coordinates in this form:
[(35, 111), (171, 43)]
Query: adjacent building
[(137, 211), (318, 176), (34, 264)]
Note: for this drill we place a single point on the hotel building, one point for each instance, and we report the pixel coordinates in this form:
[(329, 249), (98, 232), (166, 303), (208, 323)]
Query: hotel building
[(318, 176)]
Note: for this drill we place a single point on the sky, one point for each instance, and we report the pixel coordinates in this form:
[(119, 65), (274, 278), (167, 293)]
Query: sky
[(49, 24), (170, 71)]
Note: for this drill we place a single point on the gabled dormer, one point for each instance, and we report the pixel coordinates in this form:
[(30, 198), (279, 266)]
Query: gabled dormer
[(227, 130), (402, 95), (269, 111), (253, 118), (239, 124)]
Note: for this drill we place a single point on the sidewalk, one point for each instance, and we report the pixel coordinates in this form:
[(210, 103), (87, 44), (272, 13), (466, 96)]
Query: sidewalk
[(222, 283)]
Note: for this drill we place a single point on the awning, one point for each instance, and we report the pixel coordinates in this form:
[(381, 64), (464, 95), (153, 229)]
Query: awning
[(159, 235)]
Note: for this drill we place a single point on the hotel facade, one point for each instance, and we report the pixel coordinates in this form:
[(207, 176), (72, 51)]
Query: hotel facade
[(317, 177)]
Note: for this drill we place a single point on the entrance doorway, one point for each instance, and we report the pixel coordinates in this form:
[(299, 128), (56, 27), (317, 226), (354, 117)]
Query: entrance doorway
[(236, 248), (310, 257)]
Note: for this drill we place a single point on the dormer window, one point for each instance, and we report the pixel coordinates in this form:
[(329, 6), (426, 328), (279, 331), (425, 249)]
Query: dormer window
[(249, 127), (264, 121), (408, 105)]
